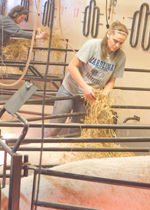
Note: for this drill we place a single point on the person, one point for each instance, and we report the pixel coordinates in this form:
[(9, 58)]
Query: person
[(96, 65), (9, 27)]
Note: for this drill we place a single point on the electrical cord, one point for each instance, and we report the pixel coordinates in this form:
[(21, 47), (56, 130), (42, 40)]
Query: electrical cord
[(61, 29), (107, 25)]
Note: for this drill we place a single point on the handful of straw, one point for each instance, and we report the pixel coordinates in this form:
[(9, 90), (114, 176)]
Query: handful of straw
[(56, 41), (99, 112)]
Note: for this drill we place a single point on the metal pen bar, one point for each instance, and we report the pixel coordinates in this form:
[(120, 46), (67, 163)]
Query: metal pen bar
[(78, 125), (23, 134), (35, 71), (62, 98), (31, 112), (26, 162), (54, 49), (14, 186), (6, 62), (92, 178), (107, 126), (33, 190), (132, 88), (50, 24), (137, 70), (52, 116), (65, 59), (6, 92), (32, 78), (22, 64), (129, 107), (35, 165), (84, 149), (39, 91), (60, 79), (47, 102), (54, 78), (63, 206), (8, 175), (81, 140), (4, 169)]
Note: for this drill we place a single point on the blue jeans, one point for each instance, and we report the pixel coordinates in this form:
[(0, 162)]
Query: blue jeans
[(62, 107)]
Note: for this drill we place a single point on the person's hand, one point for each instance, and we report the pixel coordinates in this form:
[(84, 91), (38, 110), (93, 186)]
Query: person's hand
[(88, 92), (42, 35)]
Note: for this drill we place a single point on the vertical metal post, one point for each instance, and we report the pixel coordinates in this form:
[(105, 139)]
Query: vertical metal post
[(15, 180), (4, 169), (26, 160), (65, 60), (33, 190), (0, 197)]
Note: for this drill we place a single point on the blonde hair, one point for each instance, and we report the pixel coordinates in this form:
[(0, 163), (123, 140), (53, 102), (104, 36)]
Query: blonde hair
[(118, 27)]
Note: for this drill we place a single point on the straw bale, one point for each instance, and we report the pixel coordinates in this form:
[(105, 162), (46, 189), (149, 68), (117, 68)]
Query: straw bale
[(16, 49), (56, 42), (99, 112), (9, 70)]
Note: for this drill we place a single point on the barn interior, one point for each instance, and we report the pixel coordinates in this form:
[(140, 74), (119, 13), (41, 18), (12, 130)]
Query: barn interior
[(31, 73)]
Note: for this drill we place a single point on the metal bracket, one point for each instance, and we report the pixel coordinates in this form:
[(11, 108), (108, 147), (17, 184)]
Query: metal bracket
[(48, 13), (140, 15), (91, 17), (26, 4)]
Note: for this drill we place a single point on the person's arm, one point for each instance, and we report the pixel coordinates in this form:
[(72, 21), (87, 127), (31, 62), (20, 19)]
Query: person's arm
[(11, 27), (74, 71), (110, 85), (28, 35)]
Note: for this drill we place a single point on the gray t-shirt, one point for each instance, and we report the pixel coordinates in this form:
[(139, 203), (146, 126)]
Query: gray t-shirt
[(9, 28), (95, 71)]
